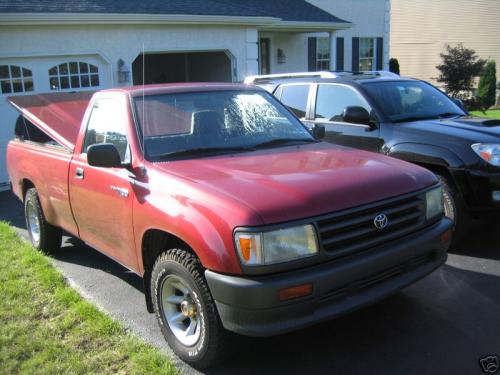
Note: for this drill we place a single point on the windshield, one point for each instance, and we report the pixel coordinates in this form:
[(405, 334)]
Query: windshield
[(411, 100), (217, 121)]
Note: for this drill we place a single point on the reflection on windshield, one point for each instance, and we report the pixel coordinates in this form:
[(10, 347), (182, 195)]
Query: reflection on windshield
[(411, 100), (177, 123)]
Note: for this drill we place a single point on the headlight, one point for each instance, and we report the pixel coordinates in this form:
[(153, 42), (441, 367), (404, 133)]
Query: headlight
[(490, 152), (435, 203), (261, 248)]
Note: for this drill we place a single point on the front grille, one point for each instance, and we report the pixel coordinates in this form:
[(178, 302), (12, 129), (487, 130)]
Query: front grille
[(354, 231)]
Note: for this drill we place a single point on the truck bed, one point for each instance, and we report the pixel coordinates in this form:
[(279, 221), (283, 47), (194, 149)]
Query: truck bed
[(59, 115)]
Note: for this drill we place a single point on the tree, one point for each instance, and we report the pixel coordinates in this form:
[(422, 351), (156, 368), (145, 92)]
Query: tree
[(487, 85), (458, 69), (394, 65)]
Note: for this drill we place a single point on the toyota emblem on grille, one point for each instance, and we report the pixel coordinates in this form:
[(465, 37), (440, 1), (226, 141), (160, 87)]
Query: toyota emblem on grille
[(381, 221)]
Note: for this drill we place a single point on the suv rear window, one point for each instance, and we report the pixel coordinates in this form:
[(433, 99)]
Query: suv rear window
[(295, 98)]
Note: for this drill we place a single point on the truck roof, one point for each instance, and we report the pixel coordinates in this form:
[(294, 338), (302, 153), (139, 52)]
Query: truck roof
[(60, 115)]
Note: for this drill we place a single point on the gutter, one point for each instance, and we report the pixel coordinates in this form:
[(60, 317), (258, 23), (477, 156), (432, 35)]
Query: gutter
[(271, 23)]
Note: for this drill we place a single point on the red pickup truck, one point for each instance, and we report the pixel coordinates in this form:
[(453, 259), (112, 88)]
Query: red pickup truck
[(236, 216)]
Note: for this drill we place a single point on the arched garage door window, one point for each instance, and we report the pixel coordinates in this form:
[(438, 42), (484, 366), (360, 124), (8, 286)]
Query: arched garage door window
[(74, 75), (15, 78)]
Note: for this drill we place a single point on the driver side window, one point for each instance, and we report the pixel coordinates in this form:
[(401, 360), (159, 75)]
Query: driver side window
[(332, 99), (107, 126)]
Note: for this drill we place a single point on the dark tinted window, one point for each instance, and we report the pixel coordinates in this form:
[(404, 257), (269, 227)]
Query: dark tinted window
[(332, 99), (295, 98), (411, 100), (106, 126)]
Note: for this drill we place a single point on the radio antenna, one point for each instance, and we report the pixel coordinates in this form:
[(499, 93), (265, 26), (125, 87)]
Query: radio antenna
[(143, 109)]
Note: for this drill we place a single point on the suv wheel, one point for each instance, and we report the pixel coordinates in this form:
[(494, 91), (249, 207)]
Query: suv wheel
[(42, 235), (185, 310)]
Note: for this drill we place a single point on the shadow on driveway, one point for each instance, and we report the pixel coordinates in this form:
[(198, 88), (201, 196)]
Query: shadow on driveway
[(442, 324)]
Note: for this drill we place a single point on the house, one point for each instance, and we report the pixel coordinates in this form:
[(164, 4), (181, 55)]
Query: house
[(72, 45), (420, 29)]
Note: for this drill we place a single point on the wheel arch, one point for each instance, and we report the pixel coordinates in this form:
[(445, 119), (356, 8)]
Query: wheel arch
[(153, 243), (26, 184)]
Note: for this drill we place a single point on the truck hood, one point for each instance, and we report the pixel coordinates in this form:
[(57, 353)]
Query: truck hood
[(471, 128), (294, 182)]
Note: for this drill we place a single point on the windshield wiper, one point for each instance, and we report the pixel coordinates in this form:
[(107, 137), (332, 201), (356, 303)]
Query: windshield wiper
[(413, 118), (449, 114), (281, 141), (202, 151)]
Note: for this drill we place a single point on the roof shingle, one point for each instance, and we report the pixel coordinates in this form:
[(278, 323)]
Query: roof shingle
[(287, 10)]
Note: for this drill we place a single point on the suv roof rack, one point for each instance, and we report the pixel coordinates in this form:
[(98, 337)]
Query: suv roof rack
[(267, 77)]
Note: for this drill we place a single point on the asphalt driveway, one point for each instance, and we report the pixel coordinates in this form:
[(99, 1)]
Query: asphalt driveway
[(443, 324)]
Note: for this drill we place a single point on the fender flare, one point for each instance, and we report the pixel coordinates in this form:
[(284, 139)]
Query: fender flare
[(426, 154)]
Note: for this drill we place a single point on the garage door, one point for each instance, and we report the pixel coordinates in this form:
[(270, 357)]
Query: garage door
[(33, 75), (210, 66)]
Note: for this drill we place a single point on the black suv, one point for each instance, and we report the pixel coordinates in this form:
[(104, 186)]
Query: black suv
[(405, 118)]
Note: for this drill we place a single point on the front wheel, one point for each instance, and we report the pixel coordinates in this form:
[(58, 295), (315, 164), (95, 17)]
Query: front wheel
[(454, 209), (185, 310), (42, 235)]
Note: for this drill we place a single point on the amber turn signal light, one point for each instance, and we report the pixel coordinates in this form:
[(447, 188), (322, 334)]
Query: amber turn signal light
[(296, 292), (446, 236)]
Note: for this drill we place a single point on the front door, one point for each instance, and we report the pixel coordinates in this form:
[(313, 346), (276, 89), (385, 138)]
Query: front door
[(331, 99), (264, 58), (102, 198)]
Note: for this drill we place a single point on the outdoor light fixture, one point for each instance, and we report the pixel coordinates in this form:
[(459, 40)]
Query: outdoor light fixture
[(123, 72), (281, 56)]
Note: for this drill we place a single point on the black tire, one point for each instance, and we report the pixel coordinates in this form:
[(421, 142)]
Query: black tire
[(49, 237), (213, 344), (454, 209)]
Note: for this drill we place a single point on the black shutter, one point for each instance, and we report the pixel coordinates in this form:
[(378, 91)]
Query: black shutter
[(311, 53), (355, 54), (339, 64), (380, 53)]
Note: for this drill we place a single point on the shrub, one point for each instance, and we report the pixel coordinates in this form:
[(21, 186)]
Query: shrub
[(458, 69), (487, 84), (394, 65)]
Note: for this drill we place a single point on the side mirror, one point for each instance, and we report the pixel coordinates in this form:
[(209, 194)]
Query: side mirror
[(104, 155), (318, 131), (357, 115), (458, 102)]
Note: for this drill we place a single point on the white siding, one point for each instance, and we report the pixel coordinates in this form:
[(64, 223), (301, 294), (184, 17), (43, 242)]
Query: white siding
[(421, 28), (370, 19)]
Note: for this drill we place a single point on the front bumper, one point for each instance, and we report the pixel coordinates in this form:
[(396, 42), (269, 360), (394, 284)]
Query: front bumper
[(476, 188), (250, 305)]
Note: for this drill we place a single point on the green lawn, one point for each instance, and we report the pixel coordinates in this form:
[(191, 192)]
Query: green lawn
[(47, 328), (494, 113)]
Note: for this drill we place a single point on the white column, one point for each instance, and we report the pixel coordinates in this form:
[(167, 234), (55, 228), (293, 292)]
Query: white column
[(333, 51), (387, 35), (252, 52)]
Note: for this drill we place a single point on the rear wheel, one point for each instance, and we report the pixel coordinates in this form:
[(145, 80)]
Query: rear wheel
[(185, 310), (43, 235)]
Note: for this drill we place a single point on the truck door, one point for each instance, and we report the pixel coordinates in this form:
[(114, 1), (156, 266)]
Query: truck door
[(331, 99), (101, 198)]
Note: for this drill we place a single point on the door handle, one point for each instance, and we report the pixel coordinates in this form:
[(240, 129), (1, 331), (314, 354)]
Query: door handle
[(79, 173), (122, 191)]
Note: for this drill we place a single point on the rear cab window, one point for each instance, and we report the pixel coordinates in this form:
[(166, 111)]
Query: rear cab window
[(295, 98)]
